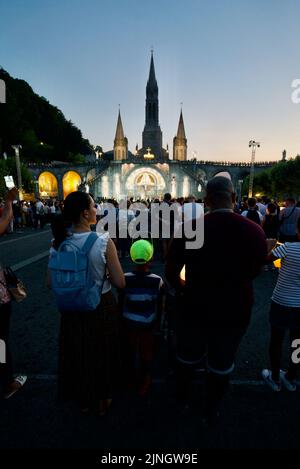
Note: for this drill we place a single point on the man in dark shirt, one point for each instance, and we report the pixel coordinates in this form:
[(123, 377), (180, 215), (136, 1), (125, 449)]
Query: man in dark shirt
[(217, 295)]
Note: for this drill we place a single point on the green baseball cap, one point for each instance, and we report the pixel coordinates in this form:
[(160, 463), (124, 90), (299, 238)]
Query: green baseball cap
[(141, 251)]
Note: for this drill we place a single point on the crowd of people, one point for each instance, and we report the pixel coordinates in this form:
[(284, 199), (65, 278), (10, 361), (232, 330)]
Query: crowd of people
[(35, 214), (206, 311)]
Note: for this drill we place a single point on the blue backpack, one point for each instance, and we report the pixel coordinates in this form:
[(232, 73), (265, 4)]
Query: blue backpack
[(71, 282)]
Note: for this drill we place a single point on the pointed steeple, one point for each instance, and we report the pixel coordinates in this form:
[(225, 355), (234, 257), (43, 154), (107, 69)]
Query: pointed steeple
[(152, 135), (152, 83), (120, 142), (180, 142), (181, 131), (119, 131)]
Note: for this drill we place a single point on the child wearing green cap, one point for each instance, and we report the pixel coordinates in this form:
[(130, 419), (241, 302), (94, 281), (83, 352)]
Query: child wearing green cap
[(141, 307)]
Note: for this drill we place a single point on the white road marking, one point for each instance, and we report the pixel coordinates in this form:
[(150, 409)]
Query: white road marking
[(237, 382), (31, 260), (22, 238)]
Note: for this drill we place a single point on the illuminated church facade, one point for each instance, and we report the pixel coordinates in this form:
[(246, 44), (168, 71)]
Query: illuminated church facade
[(147, 173)]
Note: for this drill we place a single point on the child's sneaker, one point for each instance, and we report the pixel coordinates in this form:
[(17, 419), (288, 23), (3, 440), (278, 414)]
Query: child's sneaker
[(267, 376), (15, 386), (289, 385)]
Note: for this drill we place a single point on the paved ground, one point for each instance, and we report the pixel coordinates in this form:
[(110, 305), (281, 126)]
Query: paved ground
[(253, 417)]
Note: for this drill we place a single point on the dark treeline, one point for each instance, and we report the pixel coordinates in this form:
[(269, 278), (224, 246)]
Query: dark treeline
[(280, 181), (41, 128)]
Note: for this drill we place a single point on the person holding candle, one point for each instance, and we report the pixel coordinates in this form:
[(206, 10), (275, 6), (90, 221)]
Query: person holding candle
[(284, 314), (217, 295)]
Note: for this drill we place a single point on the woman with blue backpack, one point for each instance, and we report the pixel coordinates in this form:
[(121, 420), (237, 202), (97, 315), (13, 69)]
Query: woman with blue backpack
[(89, 336)]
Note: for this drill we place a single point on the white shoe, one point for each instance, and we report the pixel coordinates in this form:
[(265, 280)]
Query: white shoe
[(267, 376), (15, 386), (290, 385)]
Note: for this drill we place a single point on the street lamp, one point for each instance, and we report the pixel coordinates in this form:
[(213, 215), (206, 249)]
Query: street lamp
[(240, 189), (36, 187), (18, 165), (252, 144)]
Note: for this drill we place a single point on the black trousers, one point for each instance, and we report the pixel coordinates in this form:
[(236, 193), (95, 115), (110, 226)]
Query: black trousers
[(6, 369), (275, 352)]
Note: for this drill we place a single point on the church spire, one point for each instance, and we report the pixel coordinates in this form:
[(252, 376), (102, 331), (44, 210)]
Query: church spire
[(120, 142), (180, 142), (119, 130), (152, 83), (181, 131), (152, 97), (152, 135)]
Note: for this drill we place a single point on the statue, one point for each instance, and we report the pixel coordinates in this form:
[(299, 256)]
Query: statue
[(173, 187)]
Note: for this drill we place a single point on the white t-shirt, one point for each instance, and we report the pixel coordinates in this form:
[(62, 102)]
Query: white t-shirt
[(262, 208), (39, 205), (97, 257), (245, 213), (287, 290)]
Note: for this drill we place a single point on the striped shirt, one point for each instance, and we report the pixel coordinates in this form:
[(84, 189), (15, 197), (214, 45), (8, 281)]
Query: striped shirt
[(287, 289), (142, 293)]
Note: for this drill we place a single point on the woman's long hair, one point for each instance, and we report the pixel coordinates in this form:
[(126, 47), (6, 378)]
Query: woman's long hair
[(74, 204)]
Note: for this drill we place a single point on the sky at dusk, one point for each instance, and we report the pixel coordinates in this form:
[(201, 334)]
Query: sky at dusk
[(231, 63)]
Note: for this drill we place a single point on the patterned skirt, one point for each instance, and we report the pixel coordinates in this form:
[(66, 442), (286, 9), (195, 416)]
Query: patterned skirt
[(89, 354)]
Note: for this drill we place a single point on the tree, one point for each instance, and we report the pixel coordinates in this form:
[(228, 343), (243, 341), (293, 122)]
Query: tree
[(41, 128), (280, 181)]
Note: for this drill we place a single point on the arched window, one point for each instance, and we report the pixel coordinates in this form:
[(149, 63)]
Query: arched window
[(71, 181), (48, 186)]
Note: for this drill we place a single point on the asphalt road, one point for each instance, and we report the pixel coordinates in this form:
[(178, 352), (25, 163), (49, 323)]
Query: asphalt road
[(253, 416)]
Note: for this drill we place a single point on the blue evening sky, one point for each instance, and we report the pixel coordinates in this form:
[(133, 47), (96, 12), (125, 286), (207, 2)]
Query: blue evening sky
[(231, 63)]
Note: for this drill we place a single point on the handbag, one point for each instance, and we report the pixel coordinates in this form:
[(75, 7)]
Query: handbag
[(14, 285)]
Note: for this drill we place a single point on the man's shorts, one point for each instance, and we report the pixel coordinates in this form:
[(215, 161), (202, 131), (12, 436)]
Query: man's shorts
[(284, 317), (217, 345)]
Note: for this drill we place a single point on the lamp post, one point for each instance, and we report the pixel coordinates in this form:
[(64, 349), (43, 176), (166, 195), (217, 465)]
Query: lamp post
[(36, 187), (252, 144), (240, 189), (18, 165)]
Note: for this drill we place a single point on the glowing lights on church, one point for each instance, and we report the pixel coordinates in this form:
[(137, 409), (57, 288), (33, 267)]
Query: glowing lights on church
[(148, 155)]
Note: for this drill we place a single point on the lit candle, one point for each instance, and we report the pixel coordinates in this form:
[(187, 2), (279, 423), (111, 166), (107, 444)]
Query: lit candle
[(277, 263)]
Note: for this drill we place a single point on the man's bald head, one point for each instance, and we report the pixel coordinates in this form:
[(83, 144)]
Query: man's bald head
[(219, 193)]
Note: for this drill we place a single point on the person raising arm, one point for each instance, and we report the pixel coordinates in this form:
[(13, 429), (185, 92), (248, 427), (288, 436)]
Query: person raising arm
[(7, 210)]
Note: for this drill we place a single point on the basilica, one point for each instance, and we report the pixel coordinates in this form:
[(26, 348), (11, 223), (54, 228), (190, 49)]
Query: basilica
[(147, 173)]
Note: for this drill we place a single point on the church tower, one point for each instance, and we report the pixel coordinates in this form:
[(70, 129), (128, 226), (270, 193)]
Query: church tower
[(180, 142), (120, 142), (152, 135)]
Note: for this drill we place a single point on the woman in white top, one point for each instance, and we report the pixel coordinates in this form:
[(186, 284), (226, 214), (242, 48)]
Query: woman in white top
[(89, 342), (284, 314)]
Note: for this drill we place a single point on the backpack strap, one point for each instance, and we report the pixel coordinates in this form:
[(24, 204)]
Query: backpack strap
[(68, 242), (91, 239)]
